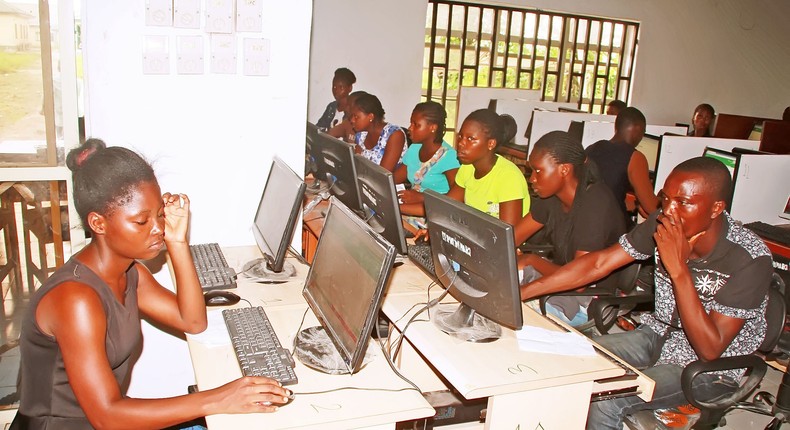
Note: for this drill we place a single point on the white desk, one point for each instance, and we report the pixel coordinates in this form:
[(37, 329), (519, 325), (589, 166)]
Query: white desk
[(524, 389), (373, 409)]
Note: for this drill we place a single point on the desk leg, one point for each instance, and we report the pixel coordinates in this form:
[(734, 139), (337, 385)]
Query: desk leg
[(563, 407)]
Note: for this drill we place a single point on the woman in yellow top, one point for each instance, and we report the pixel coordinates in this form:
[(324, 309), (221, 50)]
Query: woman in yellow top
[(485, 180)]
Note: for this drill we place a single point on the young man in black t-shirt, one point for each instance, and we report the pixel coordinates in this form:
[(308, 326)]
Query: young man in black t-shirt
[(711, 282)]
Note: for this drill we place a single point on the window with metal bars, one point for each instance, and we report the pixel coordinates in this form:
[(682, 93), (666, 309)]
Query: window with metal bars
[(570, 58)]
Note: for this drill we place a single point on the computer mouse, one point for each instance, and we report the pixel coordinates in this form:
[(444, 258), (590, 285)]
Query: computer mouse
[(220, 298)]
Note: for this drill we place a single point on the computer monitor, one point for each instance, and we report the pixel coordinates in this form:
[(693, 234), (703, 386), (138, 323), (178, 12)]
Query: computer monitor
[(649, 147), (344, 288), (576, 130), (275, 223), (380, 202), (728, 158), (475, 258), (335, 165), (786, 213)]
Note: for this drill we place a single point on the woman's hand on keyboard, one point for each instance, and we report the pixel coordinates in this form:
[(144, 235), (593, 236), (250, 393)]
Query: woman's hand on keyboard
[(247, 395), (176, 217)]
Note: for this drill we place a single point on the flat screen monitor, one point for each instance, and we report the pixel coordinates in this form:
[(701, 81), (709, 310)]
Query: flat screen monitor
[(576, 130), (728, 158), (276, 221), (474, 255), (344, 288), (380, 204), (335, 166), (649, 147)]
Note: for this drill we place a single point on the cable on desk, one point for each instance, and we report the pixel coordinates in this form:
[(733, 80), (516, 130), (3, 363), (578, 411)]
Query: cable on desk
[(298, 255), (310, 393), (245, 300), (301, 323), (394, 369)]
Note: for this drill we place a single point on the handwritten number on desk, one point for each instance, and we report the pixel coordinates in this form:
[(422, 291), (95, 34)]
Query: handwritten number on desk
[(539, 427), (331, 407), (519, 368)]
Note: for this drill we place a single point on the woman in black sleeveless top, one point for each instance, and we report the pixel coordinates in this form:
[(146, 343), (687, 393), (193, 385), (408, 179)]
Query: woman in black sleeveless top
[(83, 324)]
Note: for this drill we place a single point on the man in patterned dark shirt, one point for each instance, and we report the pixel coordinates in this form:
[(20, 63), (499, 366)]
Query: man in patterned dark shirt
[(711, 282)]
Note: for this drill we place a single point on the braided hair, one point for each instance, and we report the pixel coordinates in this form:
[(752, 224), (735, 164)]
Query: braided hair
[(104, 177), (563, 148), (434, 113)]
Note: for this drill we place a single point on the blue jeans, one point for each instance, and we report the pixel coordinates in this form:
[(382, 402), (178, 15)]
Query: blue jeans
[(578, 319), (636, 348)]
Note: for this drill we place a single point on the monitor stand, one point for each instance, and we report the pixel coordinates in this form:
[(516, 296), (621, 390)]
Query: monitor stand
[(463, 323), (316, 186), (258, 270), (315, 350)]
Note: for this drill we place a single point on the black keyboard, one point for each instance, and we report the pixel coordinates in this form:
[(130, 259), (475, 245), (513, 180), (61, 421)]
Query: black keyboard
[(256, 345), (421, 255), (212, 269), (773, 233)]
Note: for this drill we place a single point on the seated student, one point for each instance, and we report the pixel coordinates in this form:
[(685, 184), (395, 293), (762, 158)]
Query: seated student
[(621, 166), (578, 211), (344, 131), (82, 327), (615, 107), (378, 141), (342, 84), (702, 120), (711, 282), (429, 162), (486, 181)]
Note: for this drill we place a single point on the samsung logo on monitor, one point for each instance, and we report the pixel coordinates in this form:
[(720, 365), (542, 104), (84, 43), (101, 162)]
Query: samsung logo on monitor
[(457, 244), (329, 162)]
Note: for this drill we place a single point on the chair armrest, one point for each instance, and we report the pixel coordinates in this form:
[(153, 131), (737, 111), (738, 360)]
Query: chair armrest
[(694, 369), (597, 310)]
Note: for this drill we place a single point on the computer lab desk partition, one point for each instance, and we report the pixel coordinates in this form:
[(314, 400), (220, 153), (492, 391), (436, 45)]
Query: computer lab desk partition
[(376, 399), (525, 390)]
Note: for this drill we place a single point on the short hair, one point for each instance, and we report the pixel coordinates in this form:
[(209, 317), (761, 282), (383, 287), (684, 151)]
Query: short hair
[(617, 104), (434, 113), (629, 116), (103, 177), (491, 122), (705, 107), (714, 172), (346, 76), (369, 103)]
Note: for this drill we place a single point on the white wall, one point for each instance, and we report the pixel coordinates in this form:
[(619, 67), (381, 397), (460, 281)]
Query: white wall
[(381, 41), (211, 136), (730, 53)]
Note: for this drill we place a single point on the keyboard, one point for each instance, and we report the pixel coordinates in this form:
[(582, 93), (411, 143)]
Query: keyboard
[(421, 255), (212, 269), (256, 345), (774, 233)]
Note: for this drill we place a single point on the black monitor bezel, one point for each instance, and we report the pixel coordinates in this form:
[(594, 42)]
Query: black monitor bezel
[(324, 143), (390, 213), (276, 262), (355, 359)]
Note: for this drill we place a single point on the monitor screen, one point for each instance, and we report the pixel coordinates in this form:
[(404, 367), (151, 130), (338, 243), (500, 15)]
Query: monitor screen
[(474, 255), (345, 285), (335, 165), (726, 157), (380, 202), (648, 146), (277, 214)]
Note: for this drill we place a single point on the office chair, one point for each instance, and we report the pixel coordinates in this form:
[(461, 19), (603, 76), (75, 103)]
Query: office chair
[(711, 414), (37, 220), (606, 306)]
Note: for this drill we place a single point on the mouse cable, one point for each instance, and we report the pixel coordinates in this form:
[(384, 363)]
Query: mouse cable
[(301, 323), (245, 300), (298, 256), (388, 390)]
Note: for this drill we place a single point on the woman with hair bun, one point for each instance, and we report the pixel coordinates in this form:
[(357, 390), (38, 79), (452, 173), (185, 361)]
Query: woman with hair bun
[(486, 181), (82, 327), (577, 209)]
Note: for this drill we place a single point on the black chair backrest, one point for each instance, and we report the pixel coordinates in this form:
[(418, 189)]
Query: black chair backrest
[(774, 315), (627, 277)]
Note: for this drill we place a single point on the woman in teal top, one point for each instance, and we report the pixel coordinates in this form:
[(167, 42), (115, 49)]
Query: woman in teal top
[(486, 181), (430, 162)]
